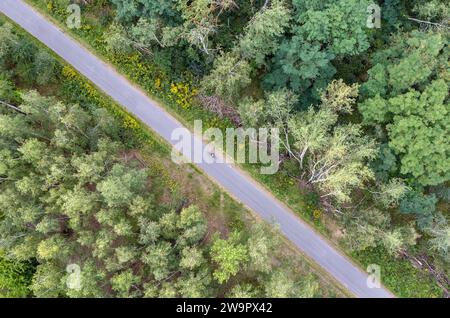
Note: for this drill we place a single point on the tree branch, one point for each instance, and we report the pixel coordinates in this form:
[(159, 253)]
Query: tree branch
[(12, 107)]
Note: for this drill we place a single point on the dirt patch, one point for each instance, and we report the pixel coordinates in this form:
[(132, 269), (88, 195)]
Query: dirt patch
[(217, 221), (192, 186), (133, 156)]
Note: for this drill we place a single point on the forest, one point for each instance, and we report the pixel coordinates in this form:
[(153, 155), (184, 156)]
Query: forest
[(83, 187), (365, 119)]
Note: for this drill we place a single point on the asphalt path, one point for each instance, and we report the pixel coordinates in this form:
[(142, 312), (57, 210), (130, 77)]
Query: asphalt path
[(228, 176)]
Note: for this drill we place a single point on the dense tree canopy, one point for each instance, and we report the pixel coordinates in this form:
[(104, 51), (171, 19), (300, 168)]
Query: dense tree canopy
[(408, 92), (328, 155), (68, 198), (322, 31), (364, 120), (78, 218)]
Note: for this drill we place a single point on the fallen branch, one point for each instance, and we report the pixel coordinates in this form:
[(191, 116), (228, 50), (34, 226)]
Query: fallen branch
[(216, 105), (439, 25), (421, 262), (12, 107)]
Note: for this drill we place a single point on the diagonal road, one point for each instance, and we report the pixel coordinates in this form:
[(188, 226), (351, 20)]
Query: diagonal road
[(227, 176)]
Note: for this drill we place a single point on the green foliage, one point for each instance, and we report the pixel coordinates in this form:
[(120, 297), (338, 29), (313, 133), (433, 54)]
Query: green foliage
[(122, 185), (420, 205), (281, 286), (164, 44), (229, 256), (123, 283), (340, 25), (21, 58), (261, 34), (321, 33), (301, 67), (243, 291), (129, 10), (231, 70), (419, 132), (370, 228), (433, 10), (408, 92), (440, 241), (74, 196), (8, 93), (386, 163), (413, 59), (69, 181), (229, 76), (261, 245), (44, 68), (9, 41), (15, 277), (399, 275), (390, 193), (330, 156)]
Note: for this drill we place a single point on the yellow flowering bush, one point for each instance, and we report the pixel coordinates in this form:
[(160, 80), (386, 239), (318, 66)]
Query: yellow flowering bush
[(56, 8), (158, 83), (317, 214), (50, 6), (130, 122), (91, 91), (182, 94), (69, 72)]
